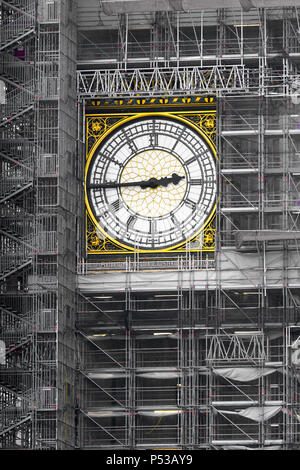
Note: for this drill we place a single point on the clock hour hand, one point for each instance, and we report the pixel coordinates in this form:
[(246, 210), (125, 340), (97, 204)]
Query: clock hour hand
[(151, 183), (154, 182)]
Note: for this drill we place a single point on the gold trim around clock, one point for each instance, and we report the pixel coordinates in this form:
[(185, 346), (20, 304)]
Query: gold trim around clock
[(173, 248), (90, 155), (140, 115)]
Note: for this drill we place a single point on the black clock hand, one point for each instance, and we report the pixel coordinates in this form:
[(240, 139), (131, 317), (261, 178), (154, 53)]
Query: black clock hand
[(113, 185), (154, 182), (151, 183)]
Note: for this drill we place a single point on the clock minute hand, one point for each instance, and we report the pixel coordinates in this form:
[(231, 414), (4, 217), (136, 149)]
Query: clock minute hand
[(112, 185), (151, 183)]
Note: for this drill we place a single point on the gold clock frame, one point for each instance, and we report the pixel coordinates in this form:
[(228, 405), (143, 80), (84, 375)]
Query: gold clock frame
[(98, 127)]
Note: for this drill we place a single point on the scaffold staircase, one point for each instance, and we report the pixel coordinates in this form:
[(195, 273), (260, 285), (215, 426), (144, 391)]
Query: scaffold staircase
[(18, 22), (14, 72), (19, 102), (18, 175), (15, 402), (16, 412), (18, 247), (17, 223)]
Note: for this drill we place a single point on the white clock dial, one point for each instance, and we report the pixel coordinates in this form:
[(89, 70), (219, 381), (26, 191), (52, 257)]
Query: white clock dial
[(161, 200), (152, 218)]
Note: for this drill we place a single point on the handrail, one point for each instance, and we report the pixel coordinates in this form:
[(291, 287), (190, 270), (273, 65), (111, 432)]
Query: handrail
[(129, 265)]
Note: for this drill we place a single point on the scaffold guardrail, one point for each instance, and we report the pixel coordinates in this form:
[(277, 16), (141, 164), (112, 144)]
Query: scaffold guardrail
[(129, 265)]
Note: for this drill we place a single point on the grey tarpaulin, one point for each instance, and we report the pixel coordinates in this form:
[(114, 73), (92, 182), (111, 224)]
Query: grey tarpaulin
[(106, 375), (235, 269), (296, 357), (296, 344), (113, 7), (105, 414), (244, 374), (264, 235), (251, 448), (161, 375), (255, 413), (111, 374)]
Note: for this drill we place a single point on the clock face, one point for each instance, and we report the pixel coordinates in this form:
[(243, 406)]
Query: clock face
[(151, 218)]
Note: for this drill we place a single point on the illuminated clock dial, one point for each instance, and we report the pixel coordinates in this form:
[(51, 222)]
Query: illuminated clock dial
[(151, 183)]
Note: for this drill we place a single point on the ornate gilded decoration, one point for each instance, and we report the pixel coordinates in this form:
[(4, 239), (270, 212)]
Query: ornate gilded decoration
[(154, 202), (97, 126)]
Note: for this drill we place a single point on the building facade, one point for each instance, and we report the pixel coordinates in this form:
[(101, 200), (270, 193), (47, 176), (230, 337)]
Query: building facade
[(125, 323)]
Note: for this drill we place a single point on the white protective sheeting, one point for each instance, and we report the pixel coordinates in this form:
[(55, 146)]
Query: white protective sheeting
[(235, 270), (264, 235), (244, 374), (161, 375), (2, 92), (113, 7), (105, 413), (296, 344), (296, 357), (159, 413), (251, 448), (2, 352), (255, 413), (295, 347), (149, 375), (105, 375)]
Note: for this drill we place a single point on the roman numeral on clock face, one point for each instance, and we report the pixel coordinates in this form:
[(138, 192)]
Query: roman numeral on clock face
[(131, 221), (191, 160), (116, 205), (153, 228), (195, 157), (196, 181), (131, 143), (176, 222), (153, 231), (153, 139), (190, 203)]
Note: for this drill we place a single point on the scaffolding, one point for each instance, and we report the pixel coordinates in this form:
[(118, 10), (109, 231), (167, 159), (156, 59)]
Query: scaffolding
[(186, 353), (183, 352), (38, 132)]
